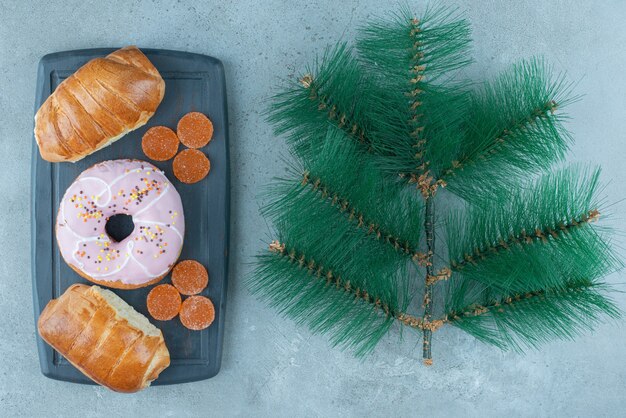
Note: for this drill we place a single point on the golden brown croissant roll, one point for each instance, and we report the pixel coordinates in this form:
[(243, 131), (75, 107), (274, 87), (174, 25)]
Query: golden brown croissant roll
[(98, 104), (105, 338)]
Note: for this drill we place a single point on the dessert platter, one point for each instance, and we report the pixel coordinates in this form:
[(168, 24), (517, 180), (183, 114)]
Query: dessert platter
[(130, 216)]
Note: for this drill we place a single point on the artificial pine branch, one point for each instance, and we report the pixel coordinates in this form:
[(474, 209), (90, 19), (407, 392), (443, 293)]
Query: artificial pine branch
[(526, 320), (345, 224), (328, 93), (420, 110), (411, 55), (515, 128), (356, 317), (354, 243), (537, 234), (339, 177), (313, 295), (343, 205)]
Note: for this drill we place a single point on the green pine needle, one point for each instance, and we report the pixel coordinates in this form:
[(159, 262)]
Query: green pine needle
[(439, 41), (533, 237), (297, 281), (344, 223), (514, 129), (298, 293), (417, 110), (327, 94), (521, 321), (340, 176)]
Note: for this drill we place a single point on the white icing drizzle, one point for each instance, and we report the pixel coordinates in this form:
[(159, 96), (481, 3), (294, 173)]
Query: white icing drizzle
[(77, 245), (173, 228), (108, 189), (129, 249), (149, 205), (143, 267)]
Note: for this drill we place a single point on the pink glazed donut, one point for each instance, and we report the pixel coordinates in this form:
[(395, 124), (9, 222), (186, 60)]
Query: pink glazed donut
[(130, 187)]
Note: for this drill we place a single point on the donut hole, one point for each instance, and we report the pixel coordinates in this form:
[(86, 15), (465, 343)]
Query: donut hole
[(119, 227)]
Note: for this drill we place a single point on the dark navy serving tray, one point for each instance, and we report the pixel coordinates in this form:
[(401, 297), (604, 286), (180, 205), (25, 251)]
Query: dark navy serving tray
[(193, 82)]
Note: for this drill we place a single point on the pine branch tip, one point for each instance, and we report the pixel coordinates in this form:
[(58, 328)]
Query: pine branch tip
[(277, 247), (306, 80)]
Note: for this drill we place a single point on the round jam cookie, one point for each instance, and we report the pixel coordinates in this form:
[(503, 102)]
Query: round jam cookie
[(194, 130), (189, 277), (197, 313), (128, 187), (191, 166), (163, 302), (159, 143)]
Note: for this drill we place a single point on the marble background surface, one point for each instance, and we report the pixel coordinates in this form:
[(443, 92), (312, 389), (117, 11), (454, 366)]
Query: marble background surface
[(270, 366)]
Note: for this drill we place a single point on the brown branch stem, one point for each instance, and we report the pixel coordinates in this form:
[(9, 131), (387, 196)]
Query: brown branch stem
[(414, 103), (429, 227)]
